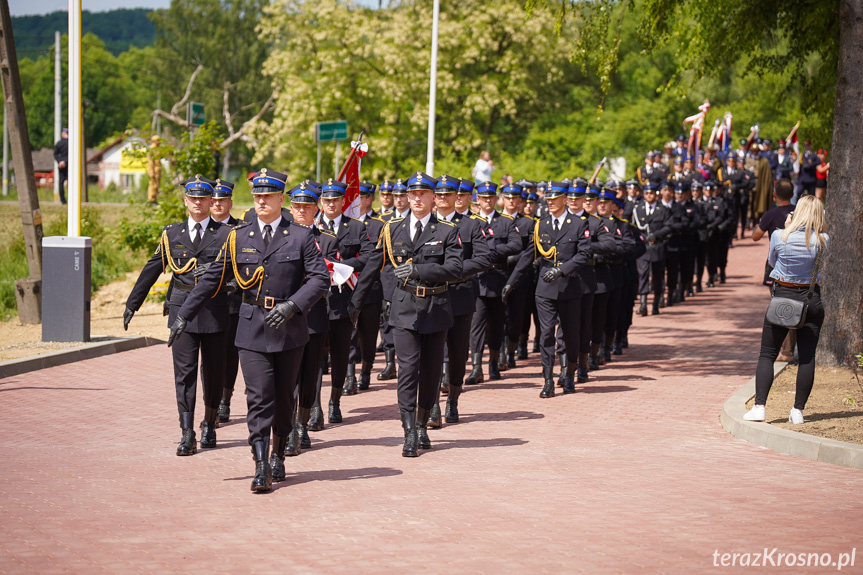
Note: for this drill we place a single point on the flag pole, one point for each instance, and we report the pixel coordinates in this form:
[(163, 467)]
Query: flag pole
[(432, 91), (73, 227)]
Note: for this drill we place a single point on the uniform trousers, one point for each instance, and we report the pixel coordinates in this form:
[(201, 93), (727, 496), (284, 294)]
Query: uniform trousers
[(457, 346), (186, 348), (672, 267), (568, 311), (232, 354), (714, 246), (386, 332), (365, 335), (724, 242), (687, 268), (310, 371), (515, 313), (340, 349), (612, 312), (743, 210), (700, 260), (650, 276), (270, 382), (420, 357), (487, 324), (585, 323), (627, 298), (599, 313)]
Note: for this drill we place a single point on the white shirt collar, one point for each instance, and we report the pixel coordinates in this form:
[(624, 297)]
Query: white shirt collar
[(225, 221), (560, 219), (668, 205), (465, 213), (405, 214), (204, 223), (412, 222), (273, 225), (650, 207), (489, 217), (336, 222), (449, 217)]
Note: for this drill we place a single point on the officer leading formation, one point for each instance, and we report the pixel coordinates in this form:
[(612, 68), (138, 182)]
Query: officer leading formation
[(301, 294)]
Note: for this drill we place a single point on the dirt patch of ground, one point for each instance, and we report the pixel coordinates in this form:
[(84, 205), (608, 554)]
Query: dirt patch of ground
[(834, 410), (106, 320)]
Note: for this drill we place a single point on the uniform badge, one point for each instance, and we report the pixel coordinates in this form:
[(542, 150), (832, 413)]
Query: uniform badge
[(458, 237), (618, 231), (491, 232), (605, 228), (399, 259), (251, 234), (285, 232), (317, 245), (587, 233), (248, 272), (569, 221), (516, 230)]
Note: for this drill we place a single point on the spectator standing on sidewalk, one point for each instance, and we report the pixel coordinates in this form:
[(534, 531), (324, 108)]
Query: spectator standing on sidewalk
[(774, 220), (821, 172), (793, 253), (61, 156), (483, 168)]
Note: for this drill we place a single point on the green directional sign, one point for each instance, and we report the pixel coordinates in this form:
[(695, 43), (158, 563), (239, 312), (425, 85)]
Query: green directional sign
[(331, 131), (195, 114)]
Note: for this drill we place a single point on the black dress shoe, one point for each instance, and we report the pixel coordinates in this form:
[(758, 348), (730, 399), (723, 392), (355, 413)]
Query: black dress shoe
[(569, 382), (225, 405), (292, 447), (591, 362), (263, 480), (335, 415), (350, 387), (423, 440), (451, 415), (409, 449), (365, 376), (561, 359), (444, 378), (316, 418), (476, 375), (522, 351), (606, 354), (582, 374), (493, 371), (188, 443), (303, 427), (617, 347), (435, 417), (548, 388), (277, 458), (208, 434), (625, 343), (389, 371)]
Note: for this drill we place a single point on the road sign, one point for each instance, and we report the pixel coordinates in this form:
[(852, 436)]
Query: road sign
[(331, 131), (195, 114)]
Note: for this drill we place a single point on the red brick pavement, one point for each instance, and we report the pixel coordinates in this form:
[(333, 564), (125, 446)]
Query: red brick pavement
[(631, 474)]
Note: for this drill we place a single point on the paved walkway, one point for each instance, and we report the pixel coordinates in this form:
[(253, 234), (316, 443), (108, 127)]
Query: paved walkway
[(631, 474)]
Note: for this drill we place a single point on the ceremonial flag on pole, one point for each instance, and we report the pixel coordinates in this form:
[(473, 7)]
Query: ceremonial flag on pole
[(350, 175), (724, 138), (697, 121), (791, 142)]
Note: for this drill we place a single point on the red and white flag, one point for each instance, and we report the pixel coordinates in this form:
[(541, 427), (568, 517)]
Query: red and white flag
[(350, 175)]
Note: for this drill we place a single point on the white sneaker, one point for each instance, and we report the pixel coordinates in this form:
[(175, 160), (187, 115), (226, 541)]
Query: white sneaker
[(756, 414), (796, 416)]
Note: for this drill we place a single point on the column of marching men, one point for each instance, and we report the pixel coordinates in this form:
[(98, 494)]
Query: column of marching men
[(445, 270)]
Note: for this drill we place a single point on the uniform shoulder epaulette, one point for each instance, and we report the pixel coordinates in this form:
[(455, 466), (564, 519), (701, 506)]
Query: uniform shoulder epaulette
[(394, 220), (376, 218), (507, 216), (241, 224), (623, 220), (326, 233), (476, 217), (169, 226), (595, 216), (583, 217), (447, 222)]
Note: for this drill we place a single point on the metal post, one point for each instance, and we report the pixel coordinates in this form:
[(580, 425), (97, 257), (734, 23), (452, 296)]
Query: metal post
[(58, 108), (336, 163), (432, 91), (73, 228), (5, 155), (318, 170)]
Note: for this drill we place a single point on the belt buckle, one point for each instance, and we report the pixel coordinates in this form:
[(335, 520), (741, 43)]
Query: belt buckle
[(269, 302), (421, 291)]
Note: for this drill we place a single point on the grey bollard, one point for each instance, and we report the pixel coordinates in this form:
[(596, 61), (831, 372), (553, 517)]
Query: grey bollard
[(66, 288)]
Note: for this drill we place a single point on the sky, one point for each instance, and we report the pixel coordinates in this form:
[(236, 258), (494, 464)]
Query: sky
[(26, 7)]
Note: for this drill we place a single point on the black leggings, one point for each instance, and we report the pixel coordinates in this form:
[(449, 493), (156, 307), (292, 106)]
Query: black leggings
[(807, 340)]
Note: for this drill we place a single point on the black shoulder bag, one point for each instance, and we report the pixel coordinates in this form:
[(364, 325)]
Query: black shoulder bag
[(791, 313)]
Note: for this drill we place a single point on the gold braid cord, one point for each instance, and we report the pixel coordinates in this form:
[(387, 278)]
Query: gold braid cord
[(388, 248), (257, 277), (168, 261), (549, 253)]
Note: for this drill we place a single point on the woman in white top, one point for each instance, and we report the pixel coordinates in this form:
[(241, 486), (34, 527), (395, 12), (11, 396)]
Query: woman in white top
[(483, 169)]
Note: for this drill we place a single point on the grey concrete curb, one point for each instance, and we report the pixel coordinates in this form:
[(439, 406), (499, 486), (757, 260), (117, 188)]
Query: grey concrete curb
[(784, 440), (82, 352)]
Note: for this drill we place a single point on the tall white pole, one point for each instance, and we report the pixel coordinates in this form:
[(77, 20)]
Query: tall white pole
[(73, 228), (5, 154), (432, 91), (58, 107)]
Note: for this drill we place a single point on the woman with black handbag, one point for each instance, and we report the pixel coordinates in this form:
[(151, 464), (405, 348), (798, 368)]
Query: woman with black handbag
[(795, 254)]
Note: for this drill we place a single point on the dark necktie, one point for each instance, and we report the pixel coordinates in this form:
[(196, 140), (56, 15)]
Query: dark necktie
[(556, 226), (268, 234), (196, 241), (419, 228), (331, 226)]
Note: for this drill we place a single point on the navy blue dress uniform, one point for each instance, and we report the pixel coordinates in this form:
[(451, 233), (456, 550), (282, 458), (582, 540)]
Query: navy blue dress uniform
[(630, 289), (633, 198), (282, 274), (423, 254), (677, 244), (649, 174), (225, 189), (562, 246), (388, 282), (187, 248), (476, 258), (596, 283), (739, 182), (517, 300), (364, 338), (701, 203), (605, 321), (688, 241), (385, 189), (721, 221), (652, 220), (487, 325), (530, 305), (311, 367), (354, 250)]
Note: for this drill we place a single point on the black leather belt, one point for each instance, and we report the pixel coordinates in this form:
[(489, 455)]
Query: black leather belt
[(183, 287), (461, 282), (266, 302), (423, 291), (591, 262)]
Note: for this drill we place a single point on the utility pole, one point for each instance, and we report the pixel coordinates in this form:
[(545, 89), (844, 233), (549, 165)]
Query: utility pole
[(58, 108), (28, 291), (5, 154), (76, 136), (432, 90)]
